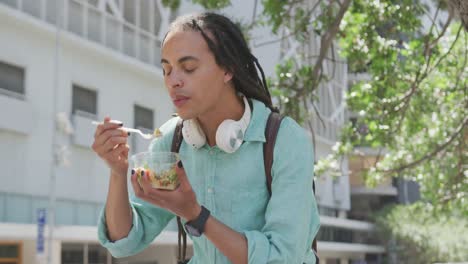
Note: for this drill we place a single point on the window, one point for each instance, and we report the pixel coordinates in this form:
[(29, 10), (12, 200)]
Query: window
[(10, 252), (96, 254), (143, 117), (72, 253), (75, 253), (11, 80), (327, 211), (84, 101)]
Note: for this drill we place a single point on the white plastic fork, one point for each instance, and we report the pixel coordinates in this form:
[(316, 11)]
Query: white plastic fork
[(128, 129)]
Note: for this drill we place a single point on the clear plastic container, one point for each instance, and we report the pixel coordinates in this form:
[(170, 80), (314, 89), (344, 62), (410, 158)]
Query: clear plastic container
[(159, 166)]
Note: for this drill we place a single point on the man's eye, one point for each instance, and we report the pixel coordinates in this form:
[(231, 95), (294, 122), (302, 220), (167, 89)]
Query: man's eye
[(189, 70)]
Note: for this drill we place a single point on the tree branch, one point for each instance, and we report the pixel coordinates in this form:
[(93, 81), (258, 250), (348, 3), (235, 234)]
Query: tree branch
[(420, 77), (432, 154), (294, 33), (327, 39)]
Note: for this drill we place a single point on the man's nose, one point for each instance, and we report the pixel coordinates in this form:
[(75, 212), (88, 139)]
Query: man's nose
[(174, 80)]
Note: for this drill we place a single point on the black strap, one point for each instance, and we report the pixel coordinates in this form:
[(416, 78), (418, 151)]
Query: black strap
[(271, 131), (181, 236)]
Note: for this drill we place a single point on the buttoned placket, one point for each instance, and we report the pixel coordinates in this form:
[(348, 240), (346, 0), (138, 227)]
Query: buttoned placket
[(210, 190)]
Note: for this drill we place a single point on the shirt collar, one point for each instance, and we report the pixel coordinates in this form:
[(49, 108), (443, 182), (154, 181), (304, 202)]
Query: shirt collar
[(256, 128)]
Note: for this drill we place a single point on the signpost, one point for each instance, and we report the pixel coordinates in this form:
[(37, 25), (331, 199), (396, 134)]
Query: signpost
[(41, 221)]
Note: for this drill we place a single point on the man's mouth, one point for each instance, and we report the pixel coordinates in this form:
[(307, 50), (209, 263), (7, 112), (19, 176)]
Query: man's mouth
[(180, 100)]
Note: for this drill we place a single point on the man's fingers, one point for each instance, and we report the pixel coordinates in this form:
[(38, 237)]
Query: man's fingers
[(145, 191), (146, 183), (112, 143), (125, 151), (184, 182), (107, 124), (101, 139), (136, 187), (120, 151)]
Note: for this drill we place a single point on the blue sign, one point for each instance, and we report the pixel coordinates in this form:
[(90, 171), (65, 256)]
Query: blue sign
[(41, 221)]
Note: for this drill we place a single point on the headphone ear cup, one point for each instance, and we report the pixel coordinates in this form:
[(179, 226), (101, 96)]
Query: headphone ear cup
[(229, 136), (192, 134)]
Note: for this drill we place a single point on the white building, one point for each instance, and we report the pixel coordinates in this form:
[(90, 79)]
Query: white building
[(104, 60)]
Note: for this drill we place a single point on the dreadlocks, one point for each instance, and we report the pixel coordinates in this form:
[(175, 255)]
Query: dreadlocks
[(226, 42)]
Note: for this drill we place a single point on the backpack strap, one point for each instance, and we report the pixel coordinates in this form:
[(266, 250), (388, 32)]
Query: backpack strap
[(177, 138), (181, 235), (271, 131)]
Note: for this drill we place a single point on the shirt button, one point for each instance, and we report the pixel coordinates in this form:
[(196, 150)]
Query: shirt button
[(210, 190)]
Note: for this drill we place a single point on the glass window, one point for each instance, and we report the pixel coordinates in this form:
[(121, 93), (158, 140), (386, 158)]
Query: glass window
[(143, 117), (129, 11), (86, 214), (97, 254), (326, 211), (65, 213), (2, 207), (93, 3), (72, 253), (9, 251), (84, 101), (11, 79), (11, 3), (18, 209), (145, 9)]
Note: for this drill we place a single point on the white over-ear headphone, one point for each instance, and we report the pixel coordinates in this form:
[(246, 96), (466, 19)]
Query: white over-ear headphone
[(229, 135)]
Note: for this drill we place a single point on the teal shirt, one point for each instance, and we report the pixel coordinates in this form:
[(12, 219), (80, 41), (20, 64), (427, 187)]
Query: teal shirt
[(233, 187)]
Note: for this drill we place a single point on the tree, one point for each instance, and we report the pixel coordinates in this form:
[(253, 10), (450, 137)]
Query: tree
[(414, 105)]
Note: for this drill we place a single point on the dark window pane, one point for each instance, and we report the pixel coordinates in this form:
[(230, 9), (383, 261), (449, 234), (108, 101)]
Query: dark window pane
[(72, 253), (11, 78), (143, 117), (93, 3), (145, 10), (9, 251), (97, 254), (84, 100), (129, 11)]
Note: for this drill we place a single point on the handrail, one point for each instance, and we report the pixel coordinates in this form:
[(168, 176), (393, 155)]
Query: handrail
[(144, 53)]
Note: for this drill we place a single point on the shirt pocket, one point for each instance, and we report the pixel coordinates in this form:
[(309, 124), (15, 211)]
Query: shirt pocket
[(248, 210), (223, 206)]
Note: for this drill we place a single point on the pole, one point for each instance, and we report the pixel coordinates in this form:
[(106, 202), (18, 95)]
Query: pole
[(52, 195)]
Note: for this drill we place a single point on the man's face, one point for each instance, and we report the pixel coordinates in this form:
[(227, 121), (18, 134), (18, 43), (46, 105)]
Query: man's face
[(194, 81)]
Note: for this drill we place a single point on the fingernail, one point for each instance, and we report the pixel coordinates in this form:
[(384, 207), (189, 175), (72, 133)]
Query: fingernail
[(121, 124), (142, 173), (179, 164), (133, 171), (128, 133)]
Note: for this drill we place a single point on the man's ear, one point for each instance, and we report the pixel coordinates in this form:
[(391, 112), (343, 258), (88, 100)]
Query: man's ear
[(227, 76)]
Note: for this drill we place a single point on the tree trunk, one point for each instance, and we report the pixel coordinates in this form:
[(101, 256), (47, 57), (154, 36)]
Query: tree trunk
[(460, 9)]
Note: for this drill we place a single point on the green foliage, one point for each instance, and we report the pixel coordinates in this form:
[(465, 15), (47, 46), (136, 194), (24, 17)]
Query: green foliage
[(172, 4), (414, 105), (416, 234), (213, 4), (208, 4), (429, 126)]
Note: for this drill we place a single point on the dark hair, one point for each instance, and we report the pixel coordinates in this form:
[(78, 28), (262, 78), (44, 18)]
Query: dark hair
[(231, 52)]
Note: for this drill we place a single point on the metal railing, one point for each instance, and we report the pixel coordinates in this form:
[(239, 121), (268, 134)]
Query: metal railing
[(89, 22)]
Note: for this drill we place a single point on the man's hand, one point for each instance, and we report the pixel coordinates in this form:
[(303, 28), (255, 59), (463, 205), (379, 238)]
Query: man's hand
[(181, 201)]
